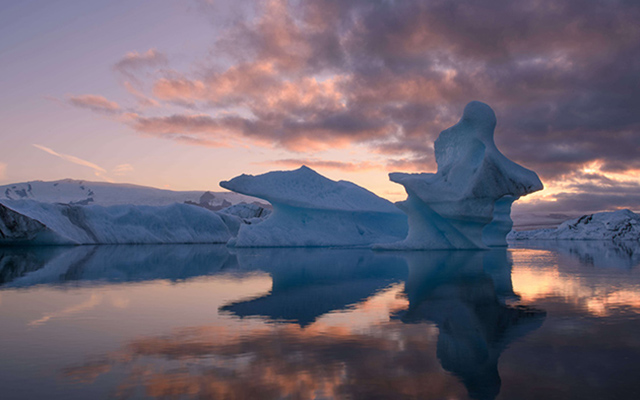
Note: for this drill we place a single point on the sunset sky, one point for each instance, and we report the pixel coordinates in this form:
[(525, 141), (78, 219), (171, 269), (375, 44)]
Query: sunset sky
[(184, 94)]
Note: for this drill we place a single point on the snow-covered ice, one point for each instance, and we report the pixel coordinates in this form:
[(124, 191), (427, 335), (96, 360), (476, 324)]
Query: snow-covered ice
[(451, 208), (76, 192), (36, 223), (312, 210), (616, 225)]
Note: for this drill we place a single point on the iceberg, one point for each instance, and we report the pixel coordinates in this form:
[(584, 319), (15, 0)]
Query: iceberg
[(28, 222), (467, 202), (621, 225), (80, 192), (310, 210)]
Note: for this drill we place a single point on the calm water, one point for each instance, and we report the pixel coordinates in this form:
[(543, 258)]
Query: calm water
[(539, 320)]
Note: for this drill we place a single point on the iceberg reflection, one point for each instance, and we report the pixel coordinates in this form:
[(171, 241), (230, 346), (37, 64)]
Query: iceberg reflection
[(454, 315), (591, 253), (464, 294), (53, 265), (308, 283)]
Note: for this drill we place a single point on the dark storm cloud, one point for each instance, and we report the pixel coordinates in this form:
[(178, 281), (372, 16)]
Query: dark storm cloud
[(562, 76), (588, 193)]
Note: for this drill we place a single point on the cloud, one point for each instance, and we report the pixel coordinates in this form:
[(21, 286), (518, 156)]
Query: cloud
[(95, 103), (123, 169), (99, 171), (327, 164), (417, 164), (390, 75), (583, 193), (134, 61), (402, 71), (318, 132), (143, 100)]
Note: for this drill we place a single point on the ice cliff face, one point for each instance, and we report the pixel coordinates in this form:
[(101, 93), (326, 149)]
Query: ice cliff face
[(455, 208), (495, 234), (618, 225), (33, 223), (311, 210)]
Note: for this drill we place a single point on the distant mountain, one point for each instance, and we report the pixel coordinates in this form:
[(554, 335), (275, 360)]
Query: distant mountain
[(75, 192), (616, 225)]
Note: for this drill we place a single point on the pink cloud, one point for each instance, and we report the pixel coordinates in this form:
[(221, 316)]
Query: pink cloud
[(134, 60), (95, 103), (327, 164)]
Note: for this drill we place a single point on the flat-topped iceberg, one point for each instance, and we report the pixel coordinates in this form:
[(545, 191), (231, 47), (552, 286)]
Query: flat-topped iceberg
[(621, 225), (310, 210), (451, 208), (28, 222)]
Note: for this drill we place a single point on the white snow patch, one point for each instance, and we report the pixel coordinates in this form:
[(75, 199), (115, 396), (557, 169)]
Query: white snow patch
[(616, 225)]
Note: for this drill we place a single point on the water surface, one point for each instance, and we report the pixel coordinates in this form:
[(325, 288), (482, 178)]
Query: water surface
[(537, 320)]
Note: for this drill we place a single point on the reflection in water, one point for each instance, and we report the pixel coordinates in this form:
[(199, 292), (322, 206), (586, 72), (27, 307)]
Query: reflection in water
[(320, 323), (462, 293), (120, 263), (595, 276), (308, 283), (590, 253), (19, 261)]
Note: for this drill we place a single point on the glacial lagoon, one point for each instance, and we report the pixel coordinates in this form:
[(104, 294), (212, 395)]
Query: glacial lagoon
[(552, 320)]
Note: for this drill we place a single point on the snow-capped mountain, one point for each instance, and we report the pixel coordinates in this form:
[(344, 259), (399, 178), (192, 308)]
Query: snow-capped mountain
[(75, 192), (616, 225)]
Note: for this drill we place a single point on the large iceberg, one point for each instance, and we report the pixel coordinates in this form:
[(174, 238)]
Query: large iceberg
[(455, 208), (28, 222), (621, 225), (310, 210)]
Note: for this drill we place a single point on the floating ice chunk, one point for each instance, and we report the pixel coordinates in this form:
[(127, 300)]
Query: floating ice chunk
[(450, 209), (310, 210), (34, 223), (618, 225)]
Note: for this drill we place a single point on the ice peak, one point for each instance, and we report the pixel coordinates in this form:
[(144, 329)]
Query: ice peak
[(479, 114), (312, 210)]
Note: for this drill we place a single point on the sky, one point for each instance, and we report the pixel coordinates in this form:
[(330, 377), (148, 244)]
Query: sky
[(184, 94)]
